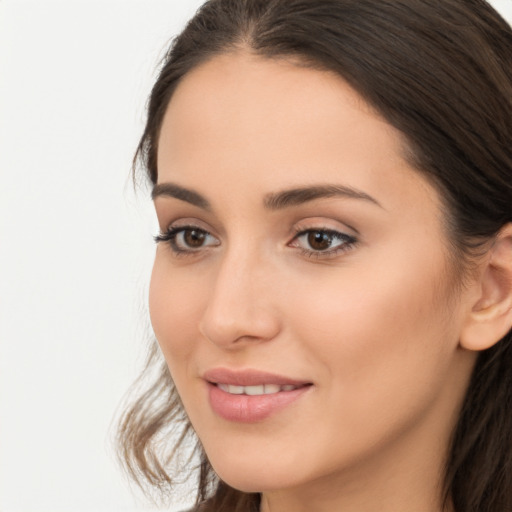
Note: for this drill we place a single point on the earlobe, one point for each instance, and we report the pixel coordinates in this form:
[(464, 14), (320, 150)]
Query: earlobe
[(490, 315)]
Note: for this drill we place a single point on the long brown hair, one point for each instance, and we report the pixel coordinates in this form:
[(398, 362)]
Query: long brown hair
[(440, 71)]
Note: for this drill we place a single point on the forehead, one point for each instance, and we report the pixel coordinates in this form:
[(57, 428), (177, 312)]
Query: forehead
[(250, 96), (271, 124)]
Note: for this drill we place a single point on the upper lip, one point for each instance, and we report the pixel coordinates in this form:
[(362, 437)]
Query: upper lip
[(248, 377)]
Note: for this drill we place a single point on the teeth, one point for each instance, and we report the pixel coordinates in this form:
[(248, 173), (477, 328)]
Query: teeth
[(271, 388), (254, 390), (263, 389)]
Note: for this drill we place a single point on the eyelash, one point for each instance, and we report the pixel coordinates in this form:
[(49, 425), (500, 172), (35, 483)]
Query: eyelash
[(347, 242), (171, 235)]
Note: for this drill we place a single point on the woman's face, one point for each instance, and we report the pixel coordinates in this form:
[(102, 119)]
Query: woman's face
[(301, 292)]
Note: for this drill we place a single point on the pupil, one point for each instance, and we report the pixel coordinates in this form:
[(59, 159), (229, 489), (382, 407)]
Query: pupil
[(194, 238), (319, 241)]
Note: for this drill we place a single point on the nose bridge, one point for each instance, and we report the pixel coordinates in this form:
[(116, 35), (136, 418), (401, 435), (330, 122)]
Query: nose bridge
[(240, 303)]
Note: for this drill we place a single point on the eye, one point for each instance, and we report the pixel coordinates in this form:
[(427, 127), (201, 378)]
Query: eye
[(187, 239), (322, 242)]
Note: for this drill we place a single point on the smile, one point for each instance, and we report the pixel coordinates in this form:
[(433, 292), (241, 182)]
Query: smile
[(251, 396), (263, 389)]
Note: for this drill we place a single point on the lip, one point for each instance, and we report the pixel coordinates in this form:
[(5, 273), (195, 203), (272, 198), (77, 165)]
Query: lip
[(248, 377), (246, 408)]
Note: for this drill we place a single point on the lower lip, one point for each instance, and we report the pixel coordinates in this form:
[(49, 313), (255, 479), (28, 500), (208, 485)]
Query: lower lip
[(249, 408)]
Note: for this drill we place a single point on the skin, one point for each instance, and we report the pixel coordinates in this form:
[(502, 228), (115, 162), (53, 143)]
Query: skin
[(375, 327)]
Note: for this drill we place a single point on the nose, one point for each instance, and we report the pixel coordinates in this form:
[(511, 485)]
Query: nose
[(241, 307)]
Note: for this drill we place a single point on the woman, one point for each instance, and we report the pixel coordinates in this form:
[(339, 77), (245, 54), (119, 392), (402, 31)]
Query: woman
[(332, 287)]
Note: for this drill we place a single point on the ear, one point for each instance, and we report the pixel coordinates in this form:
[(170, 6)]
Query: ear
[(489, 317)]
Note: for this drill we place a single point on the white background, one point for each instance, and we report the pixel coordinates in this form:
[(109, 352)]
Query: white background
[(75, 242)]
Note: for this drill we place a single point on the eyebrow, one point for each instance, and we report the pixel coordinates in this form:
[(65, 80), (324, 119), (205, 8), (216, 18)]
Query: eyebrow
[(296, 196), (273, 201), (184, 194)]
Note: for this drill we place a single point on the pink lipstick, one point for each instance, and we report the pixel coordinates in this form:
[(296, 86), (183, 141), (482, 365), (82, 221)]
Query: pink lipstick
[(250, 396)]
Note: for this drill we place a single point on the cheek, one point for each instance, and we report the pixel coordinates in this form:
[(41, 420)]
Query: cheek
[(377, 332), (175, 306), (381, 350)]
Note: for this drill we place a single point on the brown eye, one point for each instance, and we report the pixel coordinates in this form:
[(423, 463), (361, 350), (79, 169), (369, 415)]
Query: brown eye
[(323, 242), (188, 239), (320, 240), (194, 238)]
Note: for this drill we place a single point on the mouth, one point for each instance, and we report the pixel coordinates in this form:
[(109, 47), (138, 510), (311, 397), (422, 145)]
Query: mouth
[(262, 389), (251, 382), (251, 396)]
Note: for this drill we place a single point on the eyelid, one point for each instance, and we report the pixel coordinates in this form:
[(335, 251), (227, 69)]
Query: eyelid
[(347, 241), (168, 223), (325, 224), (335, 232), (171, 234)]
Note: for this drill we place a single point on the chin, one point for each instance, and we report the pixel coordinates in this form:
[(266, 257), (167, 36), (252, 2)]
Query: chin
[(259, 474), (255, 481)]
